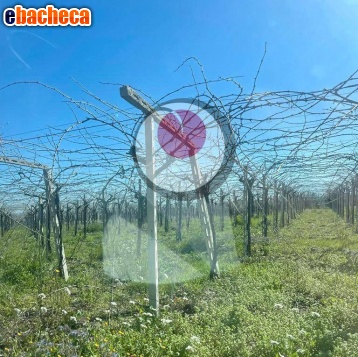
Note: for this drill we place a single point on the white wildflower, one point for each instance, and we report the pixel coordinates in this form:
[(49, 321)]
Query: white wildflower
[(67, 290), (107, 311), (42, 296), (166, 321), (113, 303), (194, 339), (117, 282), (300, 350), (98, 319), (190, 349), (273, 342), (146, 299), (278, 306), (73, 319), (147, 314), (132, 302), (64, 312), (143, 326), (185, 298), (43, 310), (315, 314)]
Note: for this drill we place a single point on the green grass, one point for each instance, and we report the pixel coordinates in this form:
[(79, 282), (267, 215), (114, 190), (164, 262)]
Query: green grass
[(296, 296)]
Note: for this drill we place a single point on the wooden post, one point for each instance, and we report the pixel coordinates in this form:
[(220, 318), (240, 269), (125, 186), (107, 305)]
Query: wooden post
[(288, 206), (160, 212), (104, 213), (67, 217), (170, 215), (2, 224), (85, 206), (139, 218), (41, 223), (282, 211), (187, 212), (35, 225), (276, 206), (209, 229), (356, 202), (166, 218), (291, 203), (230, 209), (247, 211), (130, 214), (221, 210), (76, 217), (95, 212), (338, 195), (342, 201), (235, 208), (347, 204), (48, 229), (180, 216), (247, 215), (126, 213), (53, 202), (118, 214), (264, 207), (333, 201), (353, 198), (207, 220)]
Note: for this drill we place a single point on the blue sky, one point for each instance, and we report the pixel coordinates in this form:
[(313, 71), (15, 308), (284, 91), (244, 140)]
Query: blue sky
[(311, 44)]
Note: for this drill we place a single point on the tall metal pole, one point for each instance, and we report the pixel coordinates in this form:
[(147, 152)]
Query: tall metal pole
[(129, 95), (152, 218)]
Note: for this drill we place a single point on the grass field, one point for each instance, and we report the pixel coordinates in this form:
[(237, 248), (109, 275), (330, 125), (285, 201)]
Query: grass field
[(296, 296)]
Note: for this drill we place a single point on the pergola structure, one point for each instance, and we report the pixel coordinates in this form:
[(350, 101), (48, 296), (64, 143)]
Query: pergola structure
[(54, 210)]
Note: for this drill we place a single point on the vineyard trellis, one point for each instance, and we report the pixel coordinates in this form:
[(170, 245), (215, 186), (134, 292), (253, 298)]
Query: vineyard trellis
[(53, 219), (294, 150)]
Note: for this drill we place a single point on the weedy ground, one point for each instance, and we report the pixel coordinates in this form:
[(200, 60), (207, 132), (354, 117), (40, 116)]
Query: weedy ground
[(296, 296)]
